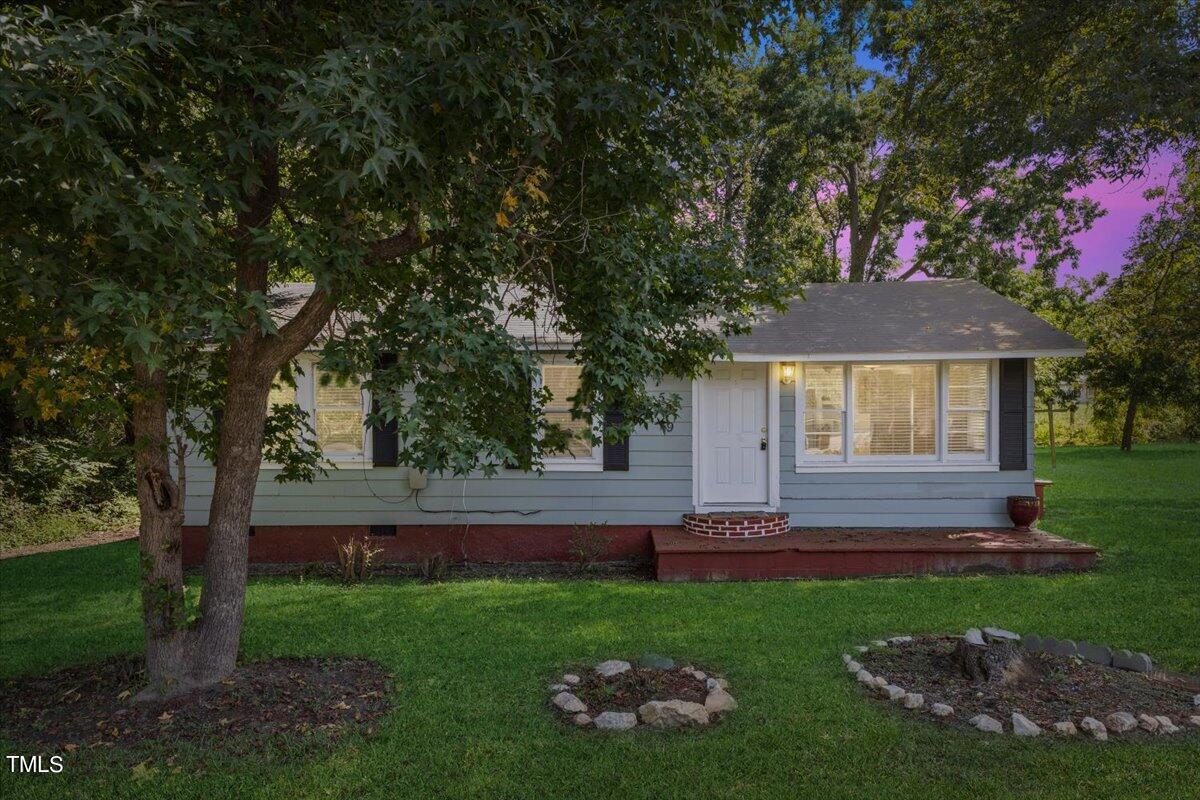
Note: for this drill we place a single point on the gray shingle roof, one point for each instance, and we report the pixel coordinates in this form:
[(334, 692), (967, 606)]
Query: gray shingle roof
[(899, 318), (852, 319)]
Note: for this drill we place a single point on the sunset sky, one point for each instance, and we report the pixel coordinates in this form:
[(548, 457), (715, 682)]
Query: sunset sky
[(1105, 243), (1103, 247)]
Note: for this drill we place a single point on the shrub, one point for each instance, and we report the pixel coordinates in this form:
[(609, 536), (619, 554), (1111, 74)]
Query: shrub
[(586, 546), (1100, 424), (434, 568), (24, 524), (53, 473), (356, 557)]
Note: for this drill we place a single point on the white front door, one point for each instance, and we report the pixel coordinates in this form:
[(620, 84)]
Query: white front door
[(732, 431)]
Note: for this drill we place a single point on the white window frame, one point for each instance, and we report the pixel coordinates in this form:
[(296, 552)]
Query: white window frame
[(940, 461), (801, 403), (567, 462), (993, 426), (306, 398)]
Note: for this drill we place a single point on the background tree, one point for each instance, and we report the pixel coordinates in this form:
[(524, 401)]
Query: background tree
[(1107, 82), (967, 125), (432, 167), (1145, 344), (845, 145), (1058, 382)]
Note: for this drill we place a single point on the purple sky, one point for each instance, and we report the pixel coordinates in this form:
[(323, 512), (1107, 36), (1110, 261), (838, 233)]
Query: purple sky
[(1103, 246)]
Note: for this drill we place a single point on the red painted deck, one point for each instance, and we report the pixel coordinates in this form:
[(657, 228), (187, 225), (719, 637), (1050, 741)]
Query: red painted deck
[(854, 552)]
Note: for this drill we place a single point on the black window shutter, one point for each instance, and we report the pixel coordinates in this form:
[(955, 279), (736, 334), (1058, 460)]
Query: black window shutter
[(616, 454), (384, 444), (1013, 413), (520, 441)]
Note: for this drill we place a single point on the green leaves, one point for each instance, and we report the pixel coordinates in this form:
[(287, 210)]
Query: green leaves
[(168, 178)]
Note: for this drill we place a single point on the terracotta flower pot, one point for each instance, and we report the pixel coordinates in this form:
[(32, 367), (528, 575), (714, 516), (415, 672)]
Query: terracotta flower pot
[(1023, 510)]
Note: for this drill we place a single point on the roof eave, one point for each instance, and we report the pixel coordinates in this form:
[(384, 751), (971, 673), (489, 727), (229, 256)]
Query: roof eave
[(1072, 352)]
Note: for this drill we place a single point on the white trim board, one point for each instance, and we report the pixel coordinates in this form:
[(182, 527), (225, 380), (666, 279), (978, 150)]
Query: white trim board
[(907, 356)]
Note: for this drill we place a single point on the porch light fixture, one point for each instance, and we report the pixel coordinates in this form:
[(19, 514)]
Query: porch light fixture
[(788, 372)]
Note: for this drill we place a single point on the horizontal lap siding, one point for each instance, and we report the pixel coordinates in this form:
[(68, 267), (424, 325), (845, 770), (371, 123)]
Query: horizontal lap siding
[(888, 498), (656, 490)]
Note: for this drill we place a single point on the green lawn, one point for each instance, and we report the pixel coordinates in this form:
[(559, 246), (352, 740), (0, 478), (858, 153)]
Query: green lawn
[(472, 660)]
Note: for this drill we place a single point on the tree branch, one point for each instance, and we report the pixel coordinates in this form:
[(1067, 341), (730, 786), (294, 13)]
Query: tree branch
[(913, 270), (297, 332)]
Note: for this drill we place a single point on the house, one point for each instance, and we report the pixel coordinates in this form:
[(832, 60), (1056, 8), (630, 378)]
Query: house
[(865, 415)]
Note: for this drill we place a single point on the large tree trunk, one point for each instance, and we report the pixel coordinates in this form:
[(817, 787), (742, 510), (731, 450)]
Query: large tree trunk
[(160, 503), (239, 454), (178, 657), (1127, 428)]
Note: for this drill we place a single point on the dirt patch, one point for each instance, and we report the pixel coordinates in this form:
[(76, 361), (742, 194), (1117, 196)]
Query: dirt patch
[(628, 690), (87, 540), (263, 703), (1052, 688)]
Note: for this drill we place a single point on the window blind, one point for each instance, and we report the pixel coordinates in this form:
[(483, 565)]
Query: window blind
[(895, 408), (281, 393), (824, 409), (563, 382), (967, 409), (339, 416)]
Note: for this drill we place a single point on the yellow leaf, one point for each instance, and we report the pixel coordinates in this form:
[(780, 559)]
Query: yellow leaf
[(509, 203), (6, 367), (141, 771), (436, 106), (537, 194), (502, 219)]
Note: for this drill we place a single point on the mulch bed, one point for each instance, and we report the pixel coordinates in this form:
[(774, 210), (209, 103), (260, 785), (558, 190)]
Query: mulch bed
[(1058, 688), (630, 689), (280, 701)]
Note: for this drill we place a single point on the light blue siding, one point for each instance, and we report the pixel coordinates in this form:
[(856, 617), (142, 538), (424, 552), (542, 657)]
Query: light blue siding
[(656, 490), (893, 499)]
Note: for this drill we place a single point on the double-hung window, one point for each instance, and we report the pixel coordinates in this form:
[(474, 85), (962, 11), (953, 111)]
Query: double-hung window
[(563, 382), (336, 411), (919, 415), (337, 414), (824, 412), (968, 409)]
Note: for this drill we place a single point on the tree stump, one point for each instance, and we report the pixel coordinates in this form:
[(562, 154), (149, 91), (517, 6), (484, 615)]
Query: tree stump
[(1001, 663)]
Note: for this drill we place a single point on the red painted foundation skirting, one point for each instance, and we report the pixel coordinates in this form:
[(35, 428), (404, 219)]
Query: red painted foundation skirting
[(307, 544), (844, 553), (682, 556)]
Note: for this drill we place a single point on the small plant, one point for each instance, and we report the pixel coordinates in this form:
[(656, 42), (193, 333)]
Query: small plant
[(356, 557), (587, 545), (434, 568)]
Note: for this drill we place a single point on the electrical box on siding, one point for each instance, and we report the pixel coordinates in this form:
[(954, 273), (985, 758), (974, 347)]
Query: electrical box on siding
[(417, 479)]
